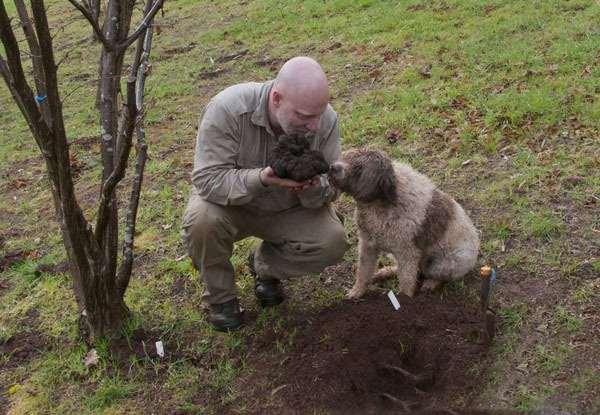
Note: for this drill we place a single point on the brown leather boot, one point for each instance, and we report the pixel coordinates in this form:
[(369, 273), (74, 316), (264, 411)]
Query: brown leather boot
[(268, 292), (227, 316)]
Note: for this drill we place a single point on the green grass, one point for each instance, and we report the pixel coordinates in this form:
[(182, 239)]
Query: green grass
[(109, 392), (495, 101), (526, 400)]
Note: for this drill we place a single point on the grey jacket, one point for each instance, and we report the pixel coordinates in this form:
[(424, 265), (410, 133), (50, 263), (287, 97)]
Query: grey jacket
[(233, 142)]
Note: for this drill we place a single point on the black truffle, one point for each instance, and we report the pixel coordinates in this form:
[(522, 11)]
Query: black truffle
[(293, 159)]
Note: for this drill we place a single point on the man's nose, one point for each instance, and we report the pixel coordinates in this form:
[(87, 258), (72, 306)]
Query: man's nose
[(312, 125)]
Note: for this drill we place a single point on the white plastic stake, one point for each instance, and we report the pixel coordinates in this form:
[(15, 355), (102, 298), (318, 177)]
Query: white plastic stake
[(394, 300), (159, 349)]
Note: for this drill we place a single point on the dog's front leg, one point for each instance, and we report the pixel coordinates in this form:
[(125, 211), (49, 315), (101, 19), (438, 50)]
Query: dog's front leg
[(408, 269), (367, 259)]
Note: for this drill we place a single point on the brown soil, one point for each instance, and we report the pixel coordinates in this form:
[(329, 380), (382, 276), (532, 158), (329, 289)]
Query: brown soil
[(20, 348), (12, 257), (367, 358)]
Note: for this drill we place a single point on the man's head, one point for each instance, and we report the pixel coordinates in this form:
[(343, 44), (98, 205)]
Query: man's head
[(299, 96)]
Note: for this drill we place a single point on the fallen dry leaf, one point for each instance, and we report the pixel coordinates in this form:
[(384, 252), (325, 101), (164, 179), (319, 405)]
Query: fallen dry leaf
[(92, 358), (392, 136)]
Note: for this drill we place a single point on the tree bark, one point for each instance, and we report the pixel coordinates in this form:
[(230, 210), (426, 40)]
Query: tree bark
[(95, 10), (138, 68)]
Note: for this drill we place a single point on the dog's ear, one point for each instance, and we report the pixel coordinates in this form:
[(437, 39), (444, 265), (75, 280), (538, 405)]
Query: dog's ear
[(373, 177), (387, 182)]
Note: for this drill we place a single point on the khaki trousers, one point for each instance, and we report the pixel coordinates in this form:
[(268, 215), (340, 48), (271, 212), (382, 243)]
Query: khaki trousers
[(295, 242)]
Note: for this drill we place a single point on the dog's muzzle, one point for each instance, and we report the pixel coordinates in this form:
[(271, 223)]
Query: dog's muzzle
[(335, 171), (335, 168)]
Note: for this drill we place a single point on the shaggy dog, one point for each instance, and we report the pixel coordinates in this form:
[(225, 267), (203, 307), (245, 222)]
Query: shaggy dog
[(400, 211)]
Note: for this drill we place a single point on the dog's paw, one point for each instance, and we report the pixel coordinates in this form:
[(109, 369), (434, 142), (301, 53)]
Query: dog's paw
[(430, 285), (355, 293), (407, 287)]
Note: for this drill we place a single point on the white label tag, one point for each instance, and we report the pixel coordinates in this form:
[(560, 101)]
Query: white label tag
[(394, 300), (159, 349)]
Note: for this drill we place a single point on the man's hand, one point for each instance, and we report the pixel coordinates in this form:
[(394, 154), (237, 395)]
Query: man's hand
[(311, 183), (268, 178)]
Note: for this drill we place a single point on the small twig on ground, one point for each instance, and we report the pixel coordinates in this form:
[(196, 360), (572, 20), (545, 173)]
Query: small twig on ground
[(404, 372), (278, 388), (421, 392), (405, 406)]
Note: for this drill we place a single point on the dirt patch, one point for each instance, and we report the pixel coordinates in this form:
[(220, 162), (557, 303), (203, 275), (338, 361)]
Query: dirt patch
[(4, 285), (175, 51), (367, 358), (12, 257), (20, 348), (86, 143), (51, 269), (213, 74)]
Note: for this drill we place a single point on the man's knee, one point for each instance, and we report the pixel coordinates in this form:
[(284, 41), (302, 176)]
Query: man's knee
[(333, 245), (202, 220)]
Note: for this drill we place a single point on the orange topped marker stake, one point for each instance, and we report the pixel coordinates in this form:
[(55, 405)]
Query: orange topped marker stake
[(488, 277)]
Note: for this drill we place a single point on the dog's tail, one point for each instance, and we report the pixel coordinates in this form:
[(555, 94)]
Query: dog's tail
[(385, 273)]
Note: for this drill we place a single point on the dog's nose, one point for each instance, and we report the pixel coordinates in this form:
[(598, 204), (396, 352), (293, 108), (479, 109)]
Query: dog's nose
[(334, 168)]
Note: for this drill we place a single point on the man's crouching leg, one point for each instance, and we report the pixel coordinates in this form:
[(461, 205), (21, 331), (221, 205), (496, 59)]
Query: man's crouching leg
[(300, 242), (208, 233)]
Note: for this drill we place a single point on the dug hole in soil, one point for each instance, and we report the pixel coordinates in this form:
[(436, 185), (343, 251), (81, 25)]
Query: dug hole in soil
[(367, 358)]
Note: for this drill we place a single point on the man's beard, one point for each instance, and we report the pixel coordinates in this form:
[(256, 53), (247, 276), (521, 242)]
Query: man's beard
[(291, 131)]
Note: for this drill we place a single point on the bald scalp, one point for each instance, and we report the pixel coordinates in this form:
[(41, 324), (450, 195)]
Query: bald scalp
[(302, 77)]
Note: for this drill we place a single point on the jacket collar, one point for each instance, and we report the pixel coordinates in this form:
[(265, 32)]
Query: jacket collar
[(260, 116)]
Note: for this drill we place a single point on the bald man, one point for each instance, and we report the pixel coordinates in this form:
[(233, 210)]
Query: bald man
[(235, 194)]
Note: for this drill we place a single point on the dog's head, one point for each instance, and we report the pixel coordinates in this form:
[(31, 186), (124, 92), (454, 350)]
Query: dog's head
[(366, 175)]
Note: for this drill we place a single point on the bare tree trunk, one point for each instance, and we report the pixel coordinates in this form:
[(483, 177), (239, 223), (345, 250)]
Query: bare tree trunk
[(105, 310), (92, 254)]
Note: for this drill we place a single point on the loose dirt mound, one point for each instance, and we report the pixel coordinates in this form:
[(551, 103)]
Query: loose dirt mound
[(367, 358)]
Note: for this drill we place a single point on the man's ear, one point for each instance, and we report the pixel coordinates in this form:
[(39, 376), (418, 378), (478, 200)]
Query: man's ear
[(277, 97)]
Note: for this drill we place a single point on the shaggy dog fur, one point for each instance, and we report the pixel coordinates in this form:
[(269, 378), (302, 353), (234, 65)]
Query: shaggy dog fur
[(400, 211)]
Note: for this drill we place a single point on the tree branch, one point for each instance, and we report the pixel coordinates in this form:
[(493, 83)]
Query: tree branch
[(126, 133), (116, 172), (141, 69), (10, 83), (144, 70), (108, 89), (74, 223), (34, 48), (90, 18), (50, 80), (133, 72), (136, 188), (14, 76), (143, 25)]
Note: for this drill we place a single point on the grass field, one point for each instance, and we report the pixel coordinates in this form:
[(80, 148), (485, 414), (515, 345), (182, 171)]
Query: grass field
[(496, 101)]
